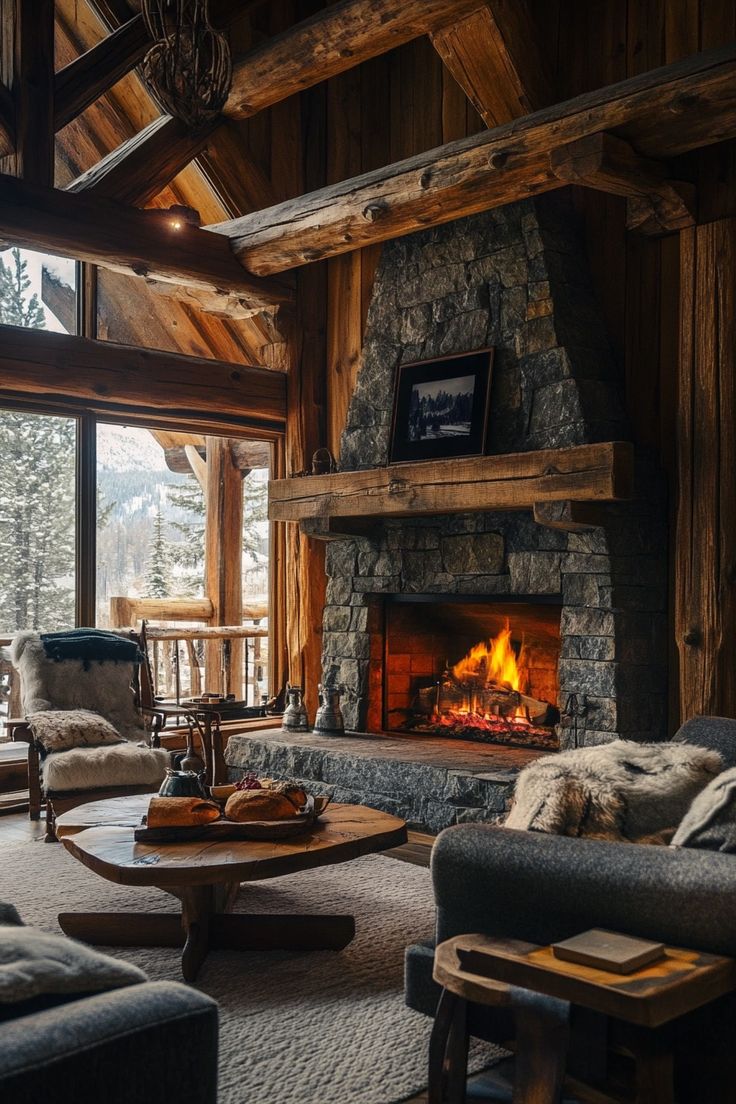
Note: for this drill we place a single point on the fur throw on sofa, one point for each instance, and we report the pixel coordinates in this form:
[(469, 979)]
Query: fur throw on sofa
[(104, 688), (619, 791)]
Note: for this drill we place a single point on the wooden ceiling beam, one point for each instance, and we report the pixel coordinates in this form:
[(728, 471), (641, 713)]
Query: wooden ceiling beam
[(87, 78), (663, 112), (27, 70), (657, 205), (493, 53), (338, 38), (142, 167), (101, 374), (153, 244)]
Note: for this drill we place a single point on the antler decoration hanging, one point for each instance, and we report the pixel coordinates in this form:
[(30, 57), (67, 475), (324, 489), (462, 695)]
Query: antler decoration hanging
[(189, 68)]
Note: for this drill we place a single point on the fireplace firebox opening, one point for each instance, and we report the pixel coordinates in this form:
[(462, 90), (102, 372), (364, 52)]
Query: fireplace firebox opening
[(473, 668)]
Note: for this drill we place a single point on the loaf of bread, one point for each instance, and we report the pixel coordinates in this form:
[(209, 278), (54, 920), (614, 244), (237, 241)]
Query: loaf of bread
[(180, 812), (295, 794), (248, 805)]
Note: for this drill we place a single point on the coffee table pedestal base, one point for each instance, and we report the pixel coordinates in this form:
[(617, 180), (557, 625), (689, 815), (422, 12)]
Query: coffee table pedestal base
[(205, 923)]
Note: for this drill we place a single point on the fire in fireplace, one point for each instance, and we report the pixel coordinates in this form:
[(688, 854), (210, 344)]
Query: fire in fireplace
[(476, 669)]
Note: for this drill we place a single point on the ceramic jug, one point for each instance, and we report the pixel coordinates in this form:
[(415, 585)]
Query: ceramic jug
[(329, 717), (295, 715)]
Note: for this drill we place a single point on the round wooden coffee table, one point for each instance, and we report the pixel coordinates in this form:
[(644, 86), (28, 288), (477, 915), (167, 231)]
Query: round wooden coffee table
[(206, 877)]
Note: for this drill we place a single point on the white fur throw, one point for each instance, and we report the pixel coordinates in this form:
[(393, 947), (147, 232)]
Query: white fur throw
[(35, 963), (104, 688), (620, 791), (96, 768), (61, 729)]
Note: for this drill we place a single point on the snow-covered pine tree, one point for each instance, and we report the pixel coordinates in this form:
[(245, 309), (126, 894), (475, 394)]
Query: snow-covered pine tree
[(158, 572), (37, 491), (16, 309), (188, 553)]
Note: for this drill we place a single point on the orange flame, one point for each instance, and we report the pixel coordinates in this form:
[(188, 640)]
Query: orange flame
[(494, 662)]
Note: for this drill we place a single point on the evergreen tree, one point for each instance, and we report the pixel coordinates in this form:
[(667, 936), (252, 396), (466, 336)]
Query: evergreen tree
[(16, 309), (158, 573), (37, 501), (188, 553)]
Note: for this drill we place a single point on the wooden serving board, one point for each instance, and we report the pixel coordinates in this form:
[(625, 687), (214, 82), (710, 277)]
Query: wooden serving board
[(232, 830)]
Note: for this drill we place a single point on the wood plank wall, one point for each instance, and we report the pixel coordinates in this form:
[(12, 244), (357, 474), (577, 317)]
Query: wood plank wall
[(405, 102)]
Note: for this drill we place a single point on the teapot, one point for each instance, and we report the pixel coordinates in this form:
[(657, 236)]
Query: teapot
[(182, 783)]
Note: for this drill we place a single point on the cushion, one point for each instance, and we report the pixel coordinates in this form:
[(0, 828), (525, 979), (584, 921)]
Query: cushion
[(39, 964), (97, 768), (710, 822), (716, 733), (621, 791), (61, 729), (104, 688)]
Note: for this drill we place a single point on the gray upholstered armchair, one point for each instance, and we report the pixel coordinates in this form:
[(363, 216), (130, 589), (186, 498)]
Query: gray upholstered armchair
[(543, 888)]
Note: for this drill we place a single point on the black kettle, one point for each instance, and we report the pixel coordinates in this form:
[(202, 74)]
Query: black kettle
[(182, 783)]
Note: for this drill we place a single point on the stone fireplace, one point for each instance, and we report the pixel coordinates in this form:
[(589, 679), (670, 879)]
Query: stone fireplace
[(586, 608), (514, 279)]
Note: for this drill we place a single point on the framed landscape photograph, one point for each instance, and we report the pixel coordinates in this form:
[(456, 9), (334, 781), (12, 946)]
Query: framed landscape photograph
[(441, 407)]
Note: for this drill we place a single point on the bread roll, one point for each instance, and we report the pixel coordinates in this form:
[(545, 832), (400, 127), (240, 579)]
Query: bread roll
[(258, 805), (180, 812)]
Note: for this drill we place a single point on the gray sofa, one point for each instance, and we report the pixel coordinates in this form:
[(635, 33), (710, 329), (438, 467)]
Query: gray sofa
[(544, 888), (143, 1044)]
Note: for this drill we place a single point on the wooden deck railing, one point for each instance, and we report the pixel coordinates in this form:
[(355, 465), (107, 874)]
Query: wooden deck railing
[(181, 665)]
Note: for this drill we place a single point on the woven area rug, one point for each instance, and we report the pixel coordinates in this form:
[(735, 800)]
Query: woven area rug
[(295, 1028)]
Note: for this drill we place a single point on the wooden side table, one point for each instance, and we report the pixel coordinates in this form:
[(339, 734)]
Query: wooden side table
[(543, 990)]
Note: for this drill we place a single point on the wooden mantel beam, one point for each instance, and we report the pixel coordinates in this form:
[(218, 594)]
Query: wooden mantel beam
[(662, 112), (153, 244), (102, 375), (585, 473), (338, 38), (494, 55), (657, 205)]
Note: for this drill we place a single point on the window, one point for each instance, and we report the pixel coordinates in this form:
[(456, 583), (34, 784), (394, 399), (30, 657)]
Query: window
[(37, 521), (38, 291)]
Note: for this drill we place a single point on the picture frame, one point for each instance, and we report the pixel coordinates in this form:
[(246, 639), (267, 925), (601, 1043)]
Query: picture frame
[(441, 407)]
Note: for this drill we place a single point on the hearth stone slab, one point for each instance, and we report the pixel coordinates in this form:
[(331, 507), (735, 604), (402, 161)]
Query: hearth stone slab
[(432, 783)]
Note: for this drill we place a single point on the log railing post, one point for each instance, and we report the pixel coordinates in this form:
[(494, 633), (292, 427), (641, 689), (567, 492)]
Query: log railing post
[(223, 557)]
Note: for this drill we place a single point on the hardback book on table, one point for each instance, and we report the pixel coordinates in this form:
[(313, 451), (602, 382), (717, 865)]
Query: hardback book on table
[(605, 950)]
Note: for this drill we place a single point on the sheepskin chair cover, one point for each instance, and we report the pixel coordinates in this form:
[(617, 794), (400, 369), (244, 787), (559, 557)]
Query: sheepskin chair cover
[(98, 768), (104, 688), (621, 791)]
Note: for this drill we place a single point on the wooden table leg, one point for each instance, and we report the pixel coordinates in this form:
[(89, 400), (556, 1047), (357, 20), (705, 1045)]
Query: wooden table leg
[(542, 1036), (206, 922)]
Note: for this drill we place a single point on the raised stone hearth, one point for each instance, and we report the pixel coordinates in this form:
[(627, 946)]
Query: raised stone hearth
[(431, 783)]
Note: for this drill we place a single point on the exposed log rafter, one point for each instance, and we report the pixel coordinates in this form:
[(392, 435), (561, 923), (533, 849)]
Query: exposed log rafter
[(662, 112), (338, 38), (656, 204), (140, 168), (153, 244), (87, 78), (493, 54)]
